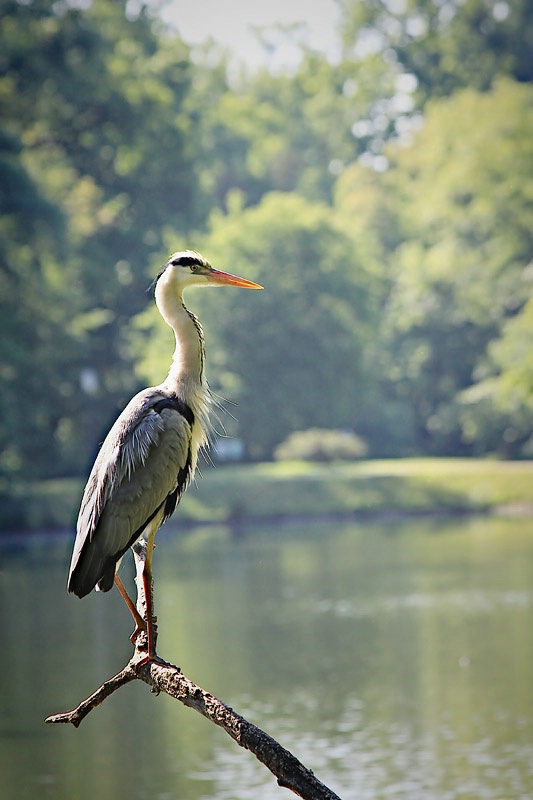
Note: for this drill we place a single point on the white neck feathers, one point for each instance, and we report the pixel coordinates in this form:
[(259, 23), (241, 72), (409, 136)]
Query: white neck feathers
[(186, 377)]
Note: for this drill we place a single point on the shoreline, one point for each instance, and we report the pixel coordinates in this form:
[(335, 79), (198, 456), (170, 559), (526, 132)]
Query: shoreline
[(278, 493)]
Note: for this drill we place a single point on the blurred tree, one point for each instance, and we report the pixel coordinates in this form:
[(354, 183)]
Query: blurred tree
[(31, 396), (420, 319), (497, 412), (397, 312), (446, 45), (95, 96), (368, 212), (464, 207), (281, 132)]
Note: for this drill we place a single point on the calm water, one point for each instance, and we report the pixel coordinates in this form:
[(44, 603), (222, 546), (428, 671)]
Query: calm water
[(396, 660)]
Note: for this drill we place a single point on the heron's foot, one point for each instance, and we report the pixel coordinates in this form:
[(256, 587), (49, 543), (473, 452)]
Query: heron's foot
[(154, 659), (138, 630)]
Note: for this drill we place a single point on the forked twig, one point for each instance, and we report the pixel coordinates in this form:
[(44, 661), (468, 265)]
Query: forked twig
[(75, 717)]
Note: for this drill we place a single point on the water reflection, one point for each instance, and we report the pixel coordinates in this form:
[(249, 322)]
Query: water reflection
[(395, 660)]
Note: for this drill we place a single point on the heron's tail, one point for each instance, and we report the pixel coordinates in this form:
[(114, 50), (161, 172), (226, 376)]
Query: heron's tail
[(89, 568)]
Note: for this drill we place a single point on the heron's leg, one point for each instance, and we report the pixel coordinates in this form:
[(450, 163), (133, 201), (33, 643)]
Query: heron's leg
[(149, 595), (140, 624)]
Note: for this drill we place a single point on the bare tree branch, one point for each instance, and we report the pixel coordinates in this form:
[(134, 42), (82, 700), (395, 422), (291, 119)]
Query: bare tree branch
[(79, 713), (163, 677)]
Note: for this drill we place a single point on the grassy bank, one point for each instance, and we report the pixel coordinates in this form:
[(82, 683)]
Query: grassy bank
[(406, 486)]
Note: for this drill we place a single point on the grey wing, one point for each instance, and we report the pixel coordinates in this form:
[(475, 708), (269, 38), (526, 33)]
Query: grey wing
[(142, 469)]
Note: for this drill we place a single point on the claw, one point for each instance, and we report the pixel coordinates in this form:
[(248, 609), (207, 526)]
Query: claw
[(153, 658), (138, 629)]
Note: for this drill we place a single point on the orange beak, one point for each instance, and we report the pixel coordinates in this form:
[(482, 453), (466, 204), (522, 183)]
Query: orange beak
[(225, 278)]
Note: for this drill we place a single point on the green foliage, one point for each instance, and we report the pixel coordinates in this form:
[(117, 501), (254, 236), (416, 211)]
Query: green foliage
[(317, 444), (465, 208), (498, 410), (286, 133), (396, 261), (93, 156), (31, 238), (448, 46), (292, 356)]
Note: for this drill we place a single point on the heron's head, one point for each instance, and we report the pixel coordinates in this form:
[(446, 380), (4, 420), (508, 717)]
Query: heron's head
[(189, 268)]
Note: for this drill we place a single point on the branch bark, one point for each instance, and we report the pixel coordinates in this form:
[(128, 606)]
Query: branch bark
[(163, 677)]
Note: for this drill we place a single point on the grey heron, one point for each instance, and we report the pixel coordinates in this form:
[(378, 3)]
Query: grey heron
[(149, 456)]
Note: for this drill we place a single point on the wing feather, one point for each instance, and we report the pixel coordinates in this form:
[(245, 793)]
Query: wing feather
[(145, 461)]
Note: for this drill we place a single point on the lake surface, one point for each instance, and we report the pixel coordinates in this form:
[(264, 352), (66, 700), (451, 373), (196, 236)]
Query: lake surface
[(394, 659)]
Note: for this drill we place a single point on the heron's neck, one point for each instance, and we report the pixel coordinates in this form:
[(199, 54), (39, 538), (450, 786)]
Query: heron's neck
[(186, 375)]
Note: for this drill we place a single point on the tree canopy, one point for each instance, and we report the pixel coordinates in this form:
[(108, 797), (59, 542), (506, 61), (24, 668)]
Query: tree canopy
[(384, 201)]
